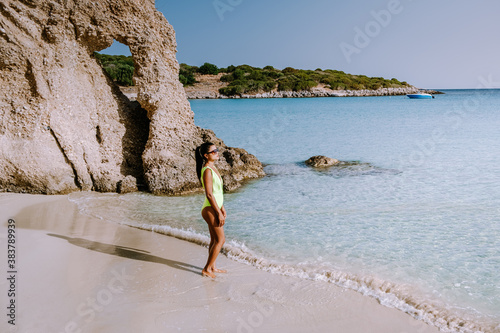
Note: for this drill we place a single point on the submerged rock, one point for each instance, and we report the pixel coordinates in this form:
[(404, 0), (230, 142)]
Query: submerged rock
[(320, 161), (66, 127)]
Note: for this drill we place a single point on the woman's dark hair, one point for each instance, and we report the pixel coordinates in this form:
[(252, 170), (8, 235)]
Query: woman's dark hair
[(201, 150)]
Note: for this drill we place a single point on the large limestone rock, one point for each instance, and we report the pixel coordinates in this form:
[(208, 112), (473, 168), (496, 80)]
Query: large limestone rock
[(65, 127)]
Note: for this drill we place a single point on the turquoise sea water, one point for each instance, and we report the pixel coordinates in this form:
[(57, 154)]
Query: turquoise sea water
[(414, 221)]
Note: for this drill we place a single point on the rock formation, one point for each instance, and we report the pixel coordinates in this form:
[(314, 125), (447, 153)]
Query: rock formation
[(320, 161), (66, 127)]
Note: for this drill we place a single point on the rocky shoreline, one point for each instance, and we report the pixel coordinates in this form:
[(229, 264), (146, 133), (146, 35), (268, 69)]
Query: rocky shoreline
[(315, 92)]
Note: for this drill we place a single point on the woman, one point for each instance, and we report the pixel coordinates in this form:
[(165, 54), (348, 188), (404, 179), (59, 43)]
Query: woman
[(212, 211)]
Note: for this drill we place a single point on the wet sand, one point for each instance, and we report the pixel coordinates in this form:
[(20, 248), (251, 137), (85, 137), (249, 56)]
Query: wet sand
[(80, 274)]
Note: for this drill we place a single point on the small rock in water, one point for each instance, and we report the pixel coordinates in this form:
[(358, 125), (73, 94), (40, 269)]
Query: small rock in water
[(320, 161)]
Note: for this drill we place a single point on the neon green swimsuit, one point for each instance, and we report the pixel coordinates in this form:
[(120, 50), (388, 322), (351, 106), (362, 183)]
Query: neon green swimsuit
[(216, 188)]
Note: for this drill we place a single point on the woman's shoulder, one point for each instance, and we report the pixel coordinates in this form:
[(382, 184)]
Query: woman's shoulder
[(205, 168)]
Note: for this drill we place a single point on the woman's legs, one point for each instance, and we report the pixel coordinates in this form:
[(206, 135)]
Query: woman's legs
[(212, 239), (217, 239), (212, 243)]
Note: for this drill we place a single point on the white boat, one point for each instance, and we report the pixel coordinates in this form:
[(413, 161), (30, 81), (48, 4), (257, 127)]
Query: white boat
[(420, 96)]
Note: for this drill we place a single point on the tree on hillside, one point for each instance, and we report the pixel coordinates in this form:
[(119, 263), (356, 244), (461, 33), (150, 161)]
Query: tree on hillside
[(207, 68), (119, 68)]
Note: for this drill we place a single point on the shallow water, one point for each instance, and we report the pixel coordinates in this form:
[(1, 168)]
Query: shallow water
[(413, 222)]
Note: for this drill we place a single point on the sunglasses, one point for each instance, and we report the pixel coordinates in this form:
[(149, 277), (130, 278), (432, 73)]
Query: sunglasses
[(213, 151)]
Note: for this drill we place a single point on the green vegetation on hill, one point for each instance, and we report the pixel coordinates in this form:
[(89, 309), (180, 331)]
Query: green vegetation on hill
[(119, 68), (186, 74), (245, 79), (207, 68)]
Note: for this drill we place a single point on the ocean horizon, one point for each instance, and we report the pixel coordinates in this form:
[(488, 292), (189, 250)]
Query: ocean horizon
[(412, 219)]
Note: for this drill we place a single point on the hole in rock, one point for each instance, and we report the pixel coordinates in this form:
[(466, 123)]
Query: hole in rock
[(118, 63)]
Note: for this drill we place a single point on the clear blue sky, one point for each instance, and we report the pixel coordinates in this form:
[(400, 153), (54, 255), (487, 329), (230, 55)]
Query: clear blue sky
[(431, 44)]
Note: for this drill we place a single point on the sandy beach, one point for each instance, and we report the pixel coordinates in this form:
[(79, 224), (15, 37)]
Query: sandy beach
[(79, 274)]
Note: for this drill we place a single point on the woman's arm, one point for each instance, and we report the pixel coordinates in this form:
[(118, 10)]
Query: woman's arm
[(207, 180)]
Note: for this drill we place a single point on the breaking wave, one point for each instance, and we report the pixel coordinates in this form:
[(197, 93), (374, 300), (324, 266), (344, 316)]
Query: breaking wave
[(386, 293)]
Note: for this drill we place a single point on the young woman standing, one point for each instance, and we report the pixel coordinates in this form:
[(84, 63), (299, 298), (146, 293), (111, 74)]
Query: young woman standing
[(212, 211)]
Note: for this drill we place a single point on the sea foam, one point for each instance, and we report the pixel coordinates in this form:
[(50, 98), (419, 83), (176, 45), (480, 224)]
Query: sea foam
[(386, 293)]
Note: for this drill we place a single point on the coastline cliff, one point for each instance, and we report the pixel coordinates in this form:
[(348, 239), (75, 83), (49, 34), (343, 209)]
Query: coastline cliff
[(66, 127)]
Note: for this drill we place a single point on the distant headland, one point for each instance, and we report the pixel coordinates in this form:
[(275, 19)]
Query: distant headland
[(210, 82)]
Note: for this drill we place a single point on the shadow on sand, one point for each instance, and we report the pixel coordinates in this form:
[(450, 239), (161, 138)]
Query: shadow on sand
[(127, 252)]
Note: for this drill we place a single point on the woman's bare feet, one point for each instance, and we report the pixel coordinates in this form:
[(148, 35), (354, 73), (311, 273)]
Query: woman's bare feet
[(216, 270), (208, 274)]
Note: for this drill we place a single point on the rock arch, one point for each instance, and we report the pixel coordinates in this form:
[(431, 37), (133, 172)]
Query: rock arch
[(65, 127)]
